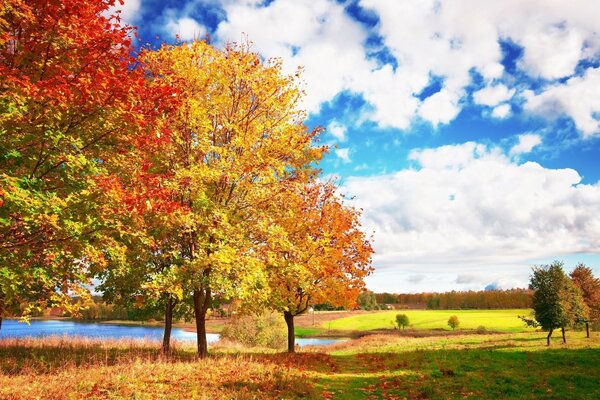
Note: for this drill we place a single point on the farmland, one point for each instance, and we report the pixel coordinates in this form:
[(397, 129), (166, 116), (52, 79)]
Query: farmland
[(492, 320)]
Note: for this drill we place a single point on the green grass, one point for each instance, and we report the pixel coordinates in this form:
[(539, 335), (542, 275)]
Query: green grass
[(304, 332), (492, 320)]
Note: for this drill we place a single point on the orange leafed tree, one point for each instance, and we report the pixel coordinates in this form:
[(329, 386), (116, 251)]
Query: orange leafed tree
[(589, 285), (70, 95), (316, 252)]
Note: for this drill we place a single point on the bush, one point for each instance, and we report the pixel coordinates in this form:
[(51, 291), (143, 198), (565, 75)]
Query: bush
[(402, 320), (265, 330), (481, 329), (453, 322)]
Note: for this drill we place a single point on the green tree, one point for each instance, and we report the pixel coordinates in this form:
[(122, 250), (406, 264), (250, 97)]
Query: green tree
[(557, 303), (367, 301), (453, 322), (589, 285), (402, 321)]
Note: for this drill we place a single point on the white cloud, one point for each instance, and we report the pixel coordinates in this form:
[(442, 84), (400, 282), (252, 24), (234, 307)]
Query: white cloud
[(526, 143), (185, 28), (501, 111), (343, 154), (578, 98), (128, 11), (493, 95), (473, 208), (450, 40), (337, 130), (558, 45)]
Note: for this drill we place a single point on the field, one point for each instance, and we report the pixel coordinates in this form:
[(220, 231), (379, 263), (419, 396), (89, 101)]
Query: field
[(471, 366), (491, 320)]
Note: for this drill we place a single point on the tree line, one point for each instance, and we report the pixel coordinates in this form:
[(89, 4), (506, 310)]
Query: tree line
[(457, 300), (175, 177)]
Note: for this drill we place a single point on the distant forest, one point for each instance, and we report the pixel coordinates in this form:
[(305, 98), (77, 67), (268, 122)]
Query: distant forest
[(484, 299)]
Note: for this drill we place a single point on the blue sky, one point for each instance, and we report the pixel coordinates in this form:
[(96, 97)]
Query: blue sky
[(468, 131)]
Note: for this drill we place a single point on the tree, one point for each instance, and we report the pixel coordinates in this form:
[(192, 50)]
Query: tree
[(366, 301), (315, 251), (402, 321), (453, 322), (589, 285), (557, 303), (70, 94), (236, 136)]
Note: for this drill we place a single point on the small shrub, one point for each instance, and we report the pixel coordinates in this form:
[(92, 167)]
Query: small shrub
[(481, 329), (265, 330), (453, 322), (402, 321)]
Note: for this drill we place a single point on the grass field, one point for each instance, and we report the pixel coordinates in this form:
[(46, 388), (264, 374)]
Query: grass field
[(492, 320), (507, 366)]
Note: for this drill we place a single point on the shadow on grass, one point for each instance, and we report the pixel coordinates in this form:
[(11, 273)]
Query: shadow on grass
[(467, 373)]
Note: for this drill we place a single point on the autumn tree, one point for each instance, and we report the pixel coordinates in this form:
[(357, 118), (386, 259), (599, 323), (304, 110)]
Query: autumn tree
[(316, 252), (236, 136), (557, 303), (453, 322), (589, 285), (70, 93)]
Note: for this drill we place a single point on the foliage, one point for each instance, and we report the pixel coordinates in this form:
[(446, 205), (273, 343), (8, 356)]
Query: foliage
[(235, 139), (366, 301), (453, 322), (262, 330), (70, 96), (459, 300), (557, 303), (402, 320), (589, 285)]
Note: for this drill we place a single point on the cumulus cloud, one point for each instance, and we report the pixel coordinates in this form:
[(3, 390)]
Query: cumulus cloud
[(474, 207), (450, 40), (526, 143), (343, 154), (578, 98), (337, 130), (185, 28), (493, 95), (501, 111)]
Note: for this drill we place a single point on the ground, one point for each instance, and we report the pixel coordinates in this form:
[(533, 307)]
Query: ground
[(381, 366)]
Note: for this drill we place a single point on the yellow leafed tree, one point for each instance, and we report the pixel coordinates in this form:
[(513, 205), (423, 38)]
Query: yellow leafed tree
[(236, 137)]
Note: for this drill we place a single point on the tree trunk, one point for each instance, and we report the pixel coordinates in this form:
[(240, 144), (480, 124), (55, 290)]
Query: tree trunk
[(166, 346), (1, 309), (201, 303), (548, 337), (587, 329), (563, 334), (289, 320)]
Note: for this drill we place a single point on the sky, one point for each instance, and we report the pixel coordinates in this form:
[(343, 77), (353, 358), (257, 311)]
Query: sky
[(468, 131)]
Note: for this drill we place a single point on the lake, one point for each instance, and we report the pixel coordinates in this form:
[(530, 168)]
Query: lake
[(42, 328)]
